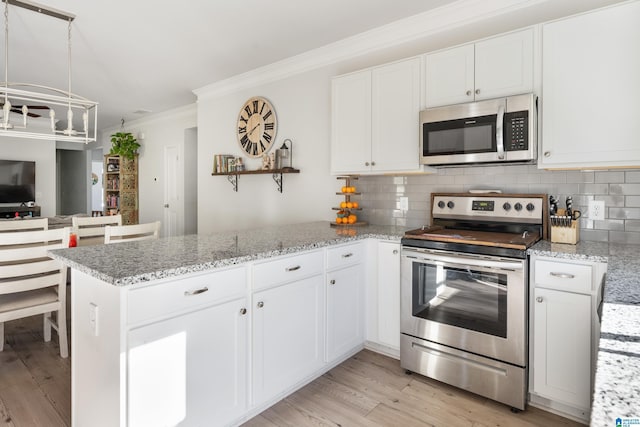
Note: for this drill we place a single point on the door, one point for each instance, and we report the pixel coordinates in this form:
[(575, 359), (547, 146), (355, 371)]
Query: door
[(389, 294), (173, 204), (288, 336), (450, 76), (562, 346), (351, 123), (395, 111), (189, 370), (345, 317)]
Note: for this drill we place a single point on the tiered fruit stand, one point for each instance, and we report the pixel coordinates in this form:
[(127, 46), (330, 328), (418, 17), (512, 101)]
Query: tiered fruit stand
[(346, 215)]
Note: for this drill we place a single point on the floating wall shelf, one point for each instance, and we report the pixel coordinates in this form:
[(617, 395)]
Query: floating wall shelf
[(276, 174)]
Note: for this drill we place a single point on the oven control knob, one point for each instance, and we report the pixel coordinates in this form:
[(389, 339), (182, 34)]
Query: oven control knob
[(506, 206), (450, 205), (441, 204), (530, 207), (518, 206)]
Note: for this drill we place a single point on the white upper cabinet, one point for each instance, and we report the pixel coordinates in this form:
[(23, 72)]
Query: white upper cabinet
[(491, 68), (375, 119), (591, 87)]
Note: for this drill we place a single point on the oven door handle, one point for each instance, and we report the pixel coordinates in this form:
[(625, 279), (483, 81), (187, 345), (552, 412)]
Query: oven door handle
[(464, 261)]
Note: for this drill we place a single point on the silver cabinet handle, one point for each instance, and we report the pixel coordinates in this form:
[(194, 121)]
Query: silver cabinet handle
[(477, 91), (332, 281), (366, 163), (297, 267), (195, 292), (562, 275), (347, 255), (539, 299), (166, 205), (373, 163), (395, 252), (547, 153), (468, 93), (260, 304), (243, 311)]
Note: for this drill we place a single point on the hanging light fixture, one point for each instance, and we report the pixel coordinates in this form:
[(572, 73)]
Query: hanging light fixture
[(15, 96)]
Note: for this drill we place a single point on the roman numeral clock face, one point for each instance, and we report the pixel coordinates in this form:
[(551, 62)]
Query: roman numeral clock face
[(257, 126)]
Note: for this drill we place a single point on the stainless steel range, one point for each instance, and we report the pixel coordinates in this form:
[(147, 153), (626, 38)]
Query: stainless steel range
[(464, 287)]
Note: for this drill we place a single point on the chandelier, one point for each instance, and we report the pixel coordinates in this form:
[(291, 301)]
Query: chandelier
[(19, 100)]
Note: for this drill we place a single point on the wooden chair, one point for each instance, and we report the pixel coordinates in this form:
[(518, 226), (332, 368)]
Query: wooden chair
[(91, 229), (33, 283), (11, 225), (129, 233)]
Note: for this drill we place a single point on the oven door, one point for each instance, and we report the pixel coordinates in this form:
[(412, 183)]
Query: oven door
[(472, 303)]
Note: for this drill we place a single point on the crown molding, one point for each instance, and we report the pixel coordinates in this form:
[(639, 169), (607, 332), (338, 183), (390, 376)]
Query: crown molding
[(169, 115), (444, 18)]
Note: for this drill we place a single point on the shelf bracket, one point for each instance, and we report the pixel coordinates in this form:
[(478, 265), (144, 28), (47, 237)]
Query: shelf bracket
[(277, 177), (233, 179)]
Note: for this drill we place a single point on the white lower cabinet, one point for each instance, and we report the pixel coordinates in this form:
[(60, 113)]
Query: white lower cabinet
[(345, 318), (389, 294), (288, 336), (185, 370), (564, 332)]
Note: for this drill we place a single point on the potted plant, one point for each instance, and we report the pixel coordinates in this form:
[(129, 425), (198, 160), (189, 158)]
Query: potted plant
[(124, 144)]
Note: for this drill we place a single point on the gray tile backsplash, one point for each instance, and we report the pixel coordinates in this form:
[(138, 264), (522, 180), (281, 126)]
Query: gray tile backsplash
[(620, 190)]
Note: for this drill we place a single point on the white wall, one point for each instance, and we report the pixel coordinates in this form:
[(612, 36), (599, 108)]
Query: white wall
[(44, 154), (302, 105), (160, 130)]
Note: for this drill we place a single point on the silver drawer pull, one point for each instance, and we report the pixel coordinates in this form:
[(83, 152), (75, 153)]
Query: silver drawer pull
[(243, 311), (347, 255), (539, 299), (260, 304), (297, 267), (196, 292), (562, 275), (332, 282)]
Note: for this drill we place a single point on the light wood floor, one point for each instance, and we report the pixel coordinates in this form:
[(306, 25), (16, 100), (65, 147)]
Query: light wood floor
[(367, 390)]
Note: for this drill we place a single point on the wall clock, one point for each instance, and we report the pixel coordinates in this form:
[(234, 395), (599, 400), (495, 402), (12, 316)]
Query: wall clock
[(257, 126)]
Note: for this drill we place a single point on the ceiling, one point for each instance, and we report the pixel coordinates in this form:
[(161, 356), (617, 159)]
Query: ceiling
[(149, 55)]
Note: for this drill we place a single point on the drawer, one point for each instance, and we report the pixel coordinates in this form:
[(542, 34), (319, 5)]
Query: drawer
[(563, 276), (183, 294), (287, 269), (343, 256)]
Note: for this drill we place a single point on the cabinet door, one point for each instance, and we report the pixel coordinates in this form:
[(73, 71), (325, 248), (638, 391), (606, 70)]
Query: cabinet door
[(389, 294), (190, 369), (288, 336), (449, 76), (351, 123), (504, 65), (562, 346), (396, 108), (345, 317), (590, 69)]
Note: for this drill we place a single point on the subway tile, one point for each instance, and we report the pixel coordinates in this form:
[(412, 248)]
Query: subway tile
[(631, 176), (624, 213), (626, 189), (610, 177), (564, 190), (530, 178), (595, 235), (454, 171), (632, 201), (610, 224), (612, 201), (594, 189), (624, 237), (632, 225), (580, 177), (553, 177)]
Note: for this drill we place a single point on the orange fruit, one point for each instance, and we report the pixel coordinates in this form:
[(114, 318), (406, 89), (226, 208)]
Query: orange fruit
[(349, 205), (352, 189), (352, 219), (355, 205), (338, 220), (343, 205), (345, 189)]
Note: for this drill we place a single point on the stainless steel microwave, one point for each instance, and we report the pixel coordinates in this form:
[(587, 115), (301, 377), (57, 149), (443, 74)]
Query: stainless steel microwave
[(492, 131)]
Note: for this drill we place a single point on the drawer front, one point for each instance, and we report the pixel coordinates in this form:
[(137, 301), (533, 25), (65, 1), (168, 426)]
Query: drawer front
[(183, 294), (343, 256), (563, 276), (287, 269)]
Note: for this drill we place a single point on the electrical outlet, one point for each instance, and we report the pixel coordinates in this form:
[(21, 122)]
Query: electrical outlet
[(596, 210)]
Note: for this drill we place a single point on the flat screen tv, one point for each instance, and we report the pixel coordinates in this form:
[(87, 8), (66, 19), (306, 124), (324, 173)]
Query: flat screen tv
[(17, 181)]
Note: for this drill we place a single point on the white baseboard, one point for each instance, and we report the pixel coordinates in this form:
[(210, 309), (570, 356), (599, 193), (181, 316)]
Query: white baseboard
[(383, 349), (566, 411)]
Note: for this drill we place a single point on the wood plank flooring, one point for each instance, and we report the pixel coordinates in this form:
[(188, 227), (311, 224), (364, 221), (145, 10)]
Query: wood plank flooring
[(366, 390)]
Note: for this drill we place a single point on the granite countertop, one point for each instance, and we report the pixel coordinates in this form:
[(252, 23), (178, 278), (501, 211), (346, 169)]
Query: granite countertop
[(129, 263), (616, 390)]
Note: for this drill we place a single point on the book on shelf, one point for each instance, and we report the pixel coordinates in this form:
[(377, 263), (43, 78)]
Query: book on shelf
[(224, 163)]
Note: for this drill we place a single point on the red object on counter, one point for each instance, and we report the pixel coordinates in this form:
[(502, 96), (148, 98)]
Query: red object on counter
[(17, 215), (73, 240)]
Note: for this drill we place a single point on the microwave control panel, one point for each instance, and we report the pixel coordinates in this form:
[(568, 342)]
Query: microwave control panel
[(516, 131)]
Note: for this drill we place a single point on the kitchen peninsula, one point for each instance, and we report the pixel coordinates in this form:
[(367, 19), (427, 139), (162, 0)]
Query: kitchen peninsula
[(219, 327)]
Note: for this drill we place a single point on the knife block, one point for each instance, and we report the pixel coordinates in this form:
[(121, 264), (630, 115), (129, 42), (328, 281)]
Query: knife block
[(565, 234)]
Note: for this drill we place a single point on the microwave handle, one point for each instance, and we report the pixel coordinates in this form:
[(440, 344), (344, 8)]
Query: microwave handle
[(500, 133)]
